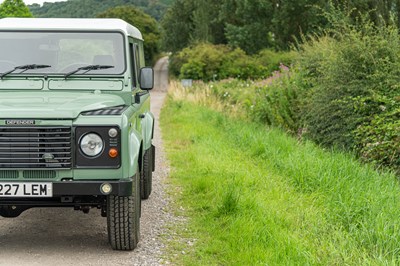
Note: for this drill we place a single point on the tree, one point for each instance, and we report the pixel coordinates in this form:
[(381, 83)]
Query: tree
[(90, 8), (14, 8), (377, 10), (177, 25), (146, 24), (248, 24), (292, 18)]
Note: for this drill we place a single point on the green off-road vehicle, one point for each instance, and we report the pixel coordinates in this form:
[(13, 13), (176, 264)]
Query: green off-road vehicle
[(75, 122)]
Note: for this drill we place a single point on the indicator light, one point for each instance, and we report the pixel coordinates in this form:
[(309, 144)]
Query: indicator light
[(113, 153)]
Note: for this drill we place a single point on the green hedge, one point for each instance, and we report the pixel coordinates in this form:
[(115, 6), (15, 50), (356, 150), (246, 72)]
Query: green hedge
[(353, 96), (216, 62)]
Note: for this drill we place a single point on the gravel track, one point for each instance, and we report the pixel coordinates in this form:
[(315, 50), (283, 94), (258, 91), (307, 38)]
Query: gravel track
[(62, 236)]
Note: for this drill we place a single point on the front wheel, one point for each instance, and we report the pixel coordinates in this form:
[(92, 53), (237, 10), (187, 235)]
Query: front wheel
[(123, 219)]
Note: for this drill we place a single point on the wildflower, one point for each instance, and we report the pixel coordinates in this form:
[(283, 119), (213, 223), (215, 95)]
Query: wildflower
[(283, 68)]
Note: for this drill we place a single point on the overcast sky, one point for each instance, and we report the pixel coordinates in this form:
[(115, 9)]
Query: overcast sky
[(29, 2)]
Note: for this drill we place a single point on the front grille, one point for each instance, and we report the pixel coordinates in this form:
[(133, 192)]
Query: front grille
[(9, 174), (35, 147), (39, 174)]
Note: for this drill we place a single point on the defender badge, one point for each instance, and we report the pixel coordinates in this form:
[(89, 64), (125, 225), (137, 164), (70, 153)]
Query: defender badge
[(20, 122)]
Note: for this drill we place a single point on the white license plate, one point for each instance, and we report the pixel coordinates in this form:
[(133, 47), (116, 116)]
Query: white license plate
[(26, 190)]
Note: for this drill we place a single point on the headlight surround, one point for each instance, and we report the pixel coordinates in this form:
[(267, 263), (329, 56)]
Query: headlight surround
[(85, 159), (91, 144)]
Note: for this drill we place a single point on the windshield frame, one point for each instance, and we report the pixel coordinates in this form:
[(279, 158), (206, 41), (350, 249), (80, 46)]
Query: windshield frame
[(78, 75)]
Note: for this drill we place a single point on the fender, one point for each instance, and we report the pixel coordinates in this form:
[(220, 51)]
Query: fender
[(147, 130), (134, 144)]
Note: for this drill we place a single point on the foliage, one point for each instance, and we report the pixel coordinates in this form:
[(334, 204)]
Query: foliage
[(354, 90), (272, 60), (14, 8), (90, 8), (275, 104), (379, 12), (254, 25), (146, 24), (215, 62), (189, 21), (378, 140), (210, 62), (177, 24), (342, 90), (294, 18), (248, 24), (273, 101), (255, 196)]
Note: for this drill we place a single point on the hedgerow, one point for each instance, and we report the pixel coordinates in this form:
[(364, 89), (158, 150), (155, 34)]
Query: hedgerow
[(210, 62), (340, 89), (353, 98)]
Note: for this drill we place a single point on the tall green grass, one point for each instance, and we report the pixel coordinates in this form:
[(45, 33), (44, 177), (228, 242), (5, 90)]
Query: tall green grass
[(256, 196)]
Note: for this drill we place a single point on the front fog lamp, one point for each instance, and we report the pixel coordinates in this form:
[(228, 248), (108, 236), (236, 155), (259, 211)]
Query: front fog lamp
[(91, 144), (106, 188)]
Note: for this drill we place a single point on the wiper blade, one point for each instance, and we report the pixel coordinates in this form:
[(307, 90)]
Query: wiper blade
[(88, 68), (24, 68)]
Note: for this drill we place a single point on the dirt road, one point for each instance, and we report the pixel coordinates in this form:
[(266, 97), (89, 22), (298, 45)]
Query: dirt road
[(67, 237)]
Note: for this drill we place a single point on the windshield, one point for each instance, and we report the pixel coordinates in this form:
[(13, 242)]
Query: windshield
[(62, 51)]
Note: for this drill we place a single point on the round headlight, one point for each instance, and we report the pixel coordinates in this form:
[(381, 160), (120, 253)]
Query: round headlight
[(91, 144)]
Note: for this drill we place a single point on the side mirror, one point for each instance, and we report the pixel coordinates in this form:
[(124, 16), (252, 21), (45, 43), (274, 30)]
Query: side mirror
[(146, 78)]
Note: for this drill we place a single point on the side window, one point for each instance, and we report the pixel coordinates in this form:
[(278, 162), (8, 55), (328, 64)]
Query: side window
[(137, 57), (132, 63), (137, 62)]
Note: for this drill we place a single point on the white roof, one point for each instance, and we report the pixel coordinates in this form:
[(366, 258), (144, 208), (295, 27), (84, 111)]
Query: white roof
[(60, 24)]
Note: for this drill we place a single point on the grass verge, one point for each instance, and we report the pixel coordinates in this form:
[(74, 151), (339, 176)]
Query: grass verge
[(255, 195)]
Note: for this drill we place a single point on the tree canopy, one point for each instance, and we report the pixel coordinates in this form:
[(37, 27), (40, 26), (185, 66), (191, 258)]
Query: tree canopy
[(253, 25), (90, 8), (14, 8), (145, 23)]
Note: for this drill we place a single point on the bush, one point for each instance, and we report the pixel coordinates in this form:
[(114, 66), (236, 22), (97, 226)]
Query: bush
[(272, 60), (351, 100), (378, 141), (216, 62), (349, 74), (276, 103)]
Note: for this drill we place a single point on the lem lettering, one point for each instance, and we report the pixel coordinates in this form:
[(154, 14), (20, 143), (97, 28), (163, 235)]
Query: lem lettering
[(35, 190), (43, 190)]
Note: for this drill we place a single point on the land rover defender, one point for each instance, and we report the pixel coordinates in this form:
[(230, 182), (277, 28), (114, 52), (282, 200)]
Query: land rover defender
[(75, 123)]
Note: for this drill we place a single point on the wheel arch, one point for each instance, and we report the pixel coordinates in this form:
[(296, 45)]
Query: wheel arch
[(148, 130), (135, 152)]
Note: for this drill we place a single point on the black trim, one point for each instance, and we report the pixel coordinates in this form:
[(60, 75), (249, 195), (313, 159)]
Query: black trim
[(139, 95), (153, 151), (115, 110), (79, 188), (102, 160)]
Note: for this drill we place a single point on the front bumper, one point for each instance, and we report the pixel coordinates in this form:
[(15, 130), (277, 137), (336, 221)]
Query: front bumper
[(71, 189), (92, 188)]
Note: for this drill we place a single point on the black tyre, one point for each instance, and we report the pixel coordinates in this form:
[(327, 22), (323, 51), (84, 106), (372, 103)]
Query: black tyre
[(123, 219), (12, 211), (146, 177)]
